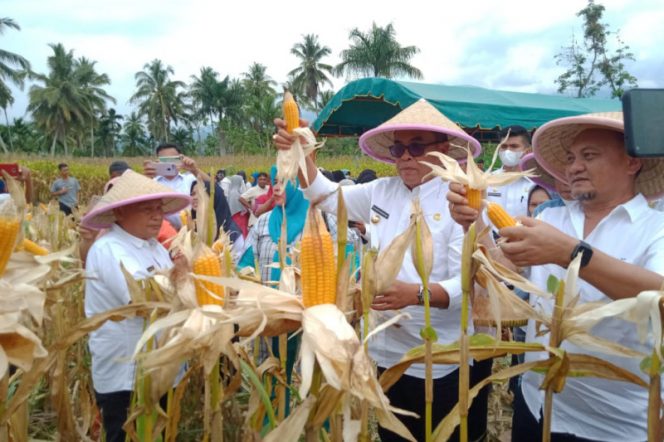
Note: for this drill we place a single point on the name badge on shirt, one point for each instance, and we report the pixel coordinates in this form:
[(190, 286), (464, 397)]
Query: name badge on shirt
[(150, 269), (380, 211), (494, 193)]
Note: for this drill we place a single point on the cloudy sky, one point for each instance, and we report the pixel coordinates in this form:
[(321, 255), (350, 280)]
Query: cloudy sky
[(506, 45)]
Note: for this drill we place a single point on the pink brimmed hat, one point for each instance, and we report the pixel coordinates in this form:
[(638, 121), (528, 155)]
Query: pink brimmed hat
[(552, 140), (420, 115), (542, 178), (132, 188)]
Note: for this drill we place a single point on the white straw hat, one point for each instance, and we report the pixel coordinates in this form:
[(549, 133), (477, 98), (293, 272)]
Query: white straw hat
[(132, 188), (420, 115), (553, 139)]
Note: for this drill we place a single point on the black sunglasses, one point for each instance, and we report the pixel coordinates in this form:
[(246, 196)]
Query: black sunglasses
[(415, 149)]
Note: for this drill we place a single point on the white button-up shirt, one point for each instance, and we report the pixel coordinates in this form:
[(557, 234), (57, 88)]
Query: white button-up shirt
[(513, 196), (181, 183), (590, 407), (384, 205), (113, 344)]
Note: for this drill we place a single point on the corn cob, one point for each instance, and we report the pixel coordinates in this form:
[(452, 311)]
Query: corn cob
[(9, 226), (474, 197), (208, 264), (319, 273), (499, 217), (184, 218), (32, 247), (291, 112)]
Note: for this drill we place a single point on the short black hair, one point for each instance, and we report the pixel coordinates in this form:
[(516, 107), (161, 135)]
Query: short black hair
[(516, 131), (118, 166), (62, 166), (167, 146), (260, 174)]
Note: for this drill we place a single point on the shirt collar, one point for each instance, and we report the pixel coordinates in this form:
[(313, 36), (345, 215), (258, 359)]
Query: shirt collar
[(131, 239), (634, 208)]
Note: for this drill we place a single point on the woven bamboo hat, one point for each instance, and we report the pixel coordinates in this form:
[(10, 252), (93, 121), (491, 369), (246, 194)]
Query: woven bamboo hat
[(542, 178), (132, 188), (552, 139), (420, 115)]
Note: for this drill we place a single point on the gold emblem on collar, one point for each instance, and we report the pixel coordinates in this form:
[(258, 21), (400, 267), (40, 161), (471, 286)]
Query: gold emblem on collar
[(375, 219), (436, 216)]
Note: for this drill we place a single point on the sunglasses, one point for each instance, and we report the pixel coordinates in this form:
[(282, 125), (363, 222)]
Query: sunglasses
[(415, 149)]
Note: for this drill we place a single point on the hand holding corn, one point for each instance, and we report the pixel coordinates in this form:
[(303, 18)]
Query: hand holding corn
[(460, 209)]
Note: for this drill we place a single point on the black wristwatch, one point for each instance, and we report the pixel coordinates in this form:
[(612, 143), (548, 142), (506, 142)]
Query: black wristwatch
[(586, 253), (420, 295)]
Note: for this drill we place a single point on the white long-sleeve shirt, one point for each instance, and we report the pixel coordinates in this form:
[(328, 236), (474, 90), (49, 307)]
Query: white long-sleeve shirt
[(113, 344), (588, 407), (384, 205)]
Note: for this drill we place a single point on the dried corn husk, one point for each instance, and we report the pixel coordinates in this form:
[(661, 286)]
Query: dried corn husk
[(294, 159)]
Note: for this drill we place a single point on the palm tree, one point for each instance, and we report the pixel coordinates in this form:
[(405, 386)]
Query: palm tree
[(13, 68), (133, 136), (60, 103), (160, 98), (326, 97), (256, 81), (109, 129), (377, 53), (91, 83), (311, 74), (205, 92)]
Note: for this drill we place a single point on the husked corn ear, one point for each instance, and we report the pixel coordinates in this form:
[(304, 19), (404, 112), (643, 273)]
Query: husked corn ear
[(499, 217), (291, 112), (208, 264), (8, 231), (184, 217), (33, 247), (318, 265), (474, 197)]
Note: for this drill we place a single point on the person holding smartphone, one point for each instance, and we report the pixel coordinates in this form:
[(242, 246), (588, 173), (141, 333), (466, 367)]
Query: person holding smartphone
[(66, 188)]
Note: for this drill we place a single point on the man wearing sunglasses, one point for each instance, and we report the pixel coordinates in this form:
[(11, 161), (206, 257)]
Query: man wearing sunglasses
[(384, 206)]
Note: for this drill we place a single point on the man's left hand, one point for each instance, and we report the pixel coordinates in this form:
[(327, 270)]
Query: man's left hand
[(399, 295), (189, 165), (535, 243)]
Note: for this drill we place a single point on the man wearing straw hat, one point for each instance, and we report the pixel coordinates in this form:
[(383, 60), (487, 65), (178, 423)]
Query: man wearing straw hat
[(384, 206), (132, 211), (621, 241)]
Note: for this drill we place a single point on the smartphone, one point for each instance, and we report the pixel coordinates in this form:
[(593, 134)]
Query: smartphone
[(166, 169), (643, 111), (12, 169), (173, 159)]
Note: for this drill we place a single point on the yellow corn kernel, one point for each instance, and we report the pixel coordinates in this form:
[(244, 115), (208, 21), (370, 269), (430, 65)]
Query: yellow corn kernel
[(318, 265), (9, 227), (218, 247), (33, 247), (208, 264), (184, 217), (499, 217), (291, 112), (474, 197)]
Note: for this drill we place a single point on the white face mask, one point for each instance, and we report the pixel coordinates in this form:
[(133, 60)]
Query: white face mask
[(510, 158)]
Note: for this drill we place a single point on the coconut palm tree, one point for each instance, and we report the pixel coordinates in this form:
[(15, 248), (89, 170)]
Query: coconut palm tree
[(133, 136), (377, 53), (205, 92), (109, 130), (257, 83), (311, 74), (13, 69), (59, 104), (91, 83), (160, 99)]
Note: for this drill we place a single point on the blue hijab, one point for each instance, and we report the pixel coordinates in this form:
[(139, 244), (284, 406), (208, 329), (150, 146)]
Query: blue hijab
[(296, 207)]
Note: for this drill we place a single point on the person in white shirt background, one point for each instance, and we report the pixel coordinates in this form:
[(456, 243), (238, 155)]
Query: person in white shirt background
[(247, 198), (188, 172), (621, 240), (384, 205), (513, 196), (132, 211)]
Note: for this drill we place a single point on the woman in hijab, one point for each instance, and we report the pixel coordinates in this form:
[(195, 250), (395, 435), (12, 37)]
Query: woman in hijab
[(239, 214), (222, 213)]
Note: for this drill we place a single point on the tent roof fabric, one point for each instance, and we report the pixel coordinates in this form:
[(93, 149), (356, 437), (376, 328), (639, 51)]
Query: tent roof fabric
[(364, 104)]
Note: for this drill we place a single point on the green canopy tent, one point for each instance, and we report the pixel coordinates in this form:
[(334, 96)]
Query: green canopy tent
[(364, 104)]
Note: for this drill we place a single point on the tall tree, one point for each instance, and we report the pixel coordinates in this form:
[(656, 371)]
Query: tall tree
[(109, 130), (13, 69), (311, 74), (256, 81), (133, 136), (205, 92), (160, 99), (96, 96), (377, 53), (591, 65)]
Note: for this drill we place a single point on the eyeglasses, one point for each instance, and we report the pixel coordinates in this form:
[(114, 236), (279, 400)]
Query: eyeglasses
[(415, 149)]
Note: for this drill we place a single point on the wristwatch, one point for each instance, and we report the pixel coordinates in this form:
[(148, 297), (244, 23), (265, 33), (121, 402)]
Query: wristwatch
[(586, 253), (420, 295)]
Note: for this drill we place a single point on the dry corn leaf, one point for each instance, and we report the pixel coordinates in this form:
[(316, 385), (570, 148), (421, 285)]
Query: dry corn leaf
[(291, 428), (294, 159)]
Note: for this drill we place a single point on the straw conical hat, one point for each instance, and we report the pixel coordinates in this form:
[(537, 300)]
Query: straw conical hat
[(552, 139), (542, 178), (420, 115), (131, 188)]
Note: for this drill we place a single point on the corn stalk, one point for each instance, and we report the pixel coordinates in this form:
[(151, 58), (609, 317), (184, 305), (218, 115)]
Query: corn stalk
[(467, 285)]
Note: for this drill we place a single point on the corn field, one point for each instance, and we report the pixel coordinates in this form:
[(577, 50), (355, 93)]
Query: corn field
[(208, 325)]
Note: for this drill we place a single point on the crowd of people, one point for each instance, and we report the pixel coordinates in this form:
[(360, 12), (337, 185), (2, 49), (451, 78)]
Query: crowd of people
[(586, 194)]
